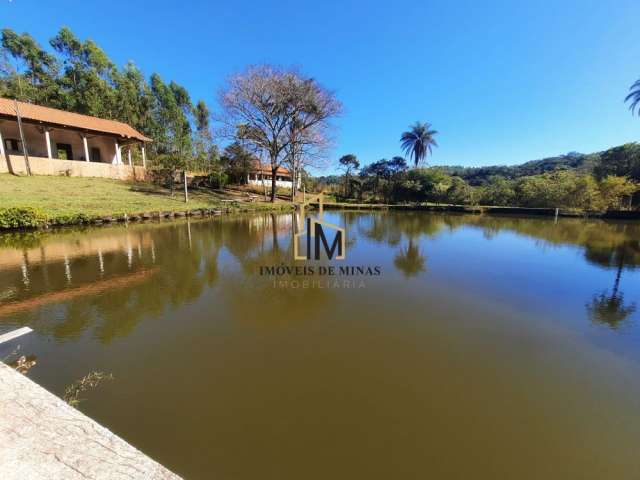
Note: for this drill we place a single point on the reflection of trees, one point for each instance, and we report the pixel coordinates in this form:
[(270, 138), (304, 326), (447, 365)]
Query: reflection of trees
[(255, 298), (378, 227), (109, 296), (409, 260), (392, 227), (181, 270), (610, 245), (184, 259)]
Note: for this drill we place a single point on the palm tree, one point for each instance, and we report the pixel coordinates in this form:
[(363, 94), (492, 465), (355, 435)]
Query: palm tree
[(634, 97), (418, 141)]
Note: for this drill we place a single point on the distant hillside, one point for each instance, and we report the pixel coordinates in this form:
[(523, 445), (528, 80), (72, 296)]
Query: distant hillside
[(572, 161), (623, 160)]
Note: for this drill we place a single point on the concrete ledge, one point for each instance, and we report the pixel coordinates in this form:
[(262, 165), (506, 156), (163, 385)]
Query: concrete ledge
[(41, 437)]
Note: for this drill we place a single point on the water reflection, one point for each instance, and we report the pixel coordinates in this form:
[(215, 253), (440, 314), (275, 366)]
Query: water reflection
[(85, 279), (409, 260), (610, 309), (610, 245), (65, 283), (475, 322)]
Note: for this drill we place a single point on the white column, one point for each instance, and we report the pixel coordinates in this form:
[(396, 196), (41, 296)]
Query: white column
[(129, 156), (47, 139), (117, 159), (144, 156), (86, 148), (1, 145)]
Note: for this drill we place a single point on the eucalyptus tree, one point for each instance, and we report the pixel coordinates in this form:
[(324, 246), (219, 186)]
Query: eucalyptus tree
[(277, 109), (172, 141), (205, 151), (418, 141), (6, 72), (31, 77), (172, 109), (87, 78), (134, 102)]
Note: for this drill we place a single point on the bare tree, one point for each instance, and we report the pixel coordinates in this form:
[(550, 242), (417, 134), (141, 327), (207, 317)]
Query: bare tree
[(274, 109), (306, 148)]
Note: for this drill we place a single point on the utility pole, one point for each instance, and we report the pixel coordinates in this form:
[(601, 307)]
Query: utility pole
[(24, 145)]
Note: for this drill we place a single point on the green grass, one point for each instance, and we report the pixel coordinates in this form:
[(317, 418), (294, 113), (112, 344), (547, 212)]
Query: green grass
[(61, 198)]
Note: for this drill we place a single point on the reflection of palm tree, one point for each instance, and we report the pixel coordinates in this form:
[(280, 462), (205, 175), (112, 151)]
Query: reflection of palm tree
[(610, 309), (410, 260)]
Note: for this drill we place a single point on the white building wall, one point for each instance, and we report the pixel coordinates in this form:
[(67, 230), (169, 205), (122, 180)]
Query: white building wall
[(254, 179), (279, 183)]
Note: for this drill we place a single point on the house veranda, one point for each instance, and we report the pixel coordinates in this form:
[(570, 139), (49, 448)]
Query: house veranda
[(57, 142)]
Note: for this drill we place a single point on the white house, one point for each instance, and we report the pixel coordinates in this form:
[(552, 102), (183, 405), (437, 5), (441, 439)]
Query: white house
[(260, 175), (57, 142)]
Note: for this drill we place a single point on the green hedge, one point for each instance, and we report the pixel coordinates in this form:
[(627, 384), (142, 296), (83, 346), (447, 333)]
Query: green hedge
[(71, 219), (21, 217)]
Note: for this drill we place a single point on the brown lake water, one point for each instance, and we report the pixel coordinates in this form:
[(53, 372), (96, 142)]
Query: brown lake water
[(487, 348)]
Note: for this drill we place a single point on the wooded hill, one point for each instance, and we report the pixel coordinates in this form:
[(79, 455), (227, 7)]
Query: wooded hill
[(623, 160), (477, 176)]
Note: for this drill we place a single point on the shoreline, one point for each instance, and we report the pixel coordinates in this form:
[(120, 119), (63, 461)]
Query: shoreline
[(81, 220), (490, 210)]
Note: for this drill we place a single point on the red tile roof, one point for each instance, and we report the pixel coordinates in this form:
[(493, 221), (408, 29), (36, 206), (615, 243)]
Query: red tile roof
[(53, 116), (266, 169)]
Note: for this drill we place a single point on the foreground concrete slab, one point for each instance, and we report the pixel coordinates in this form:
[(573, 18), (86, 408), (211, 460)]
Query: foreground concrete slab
[(41, 437), (14, 334)]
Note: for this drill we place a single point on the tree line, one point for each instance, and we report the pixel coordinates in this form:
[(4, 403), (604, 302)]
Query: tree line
[(609, 182)]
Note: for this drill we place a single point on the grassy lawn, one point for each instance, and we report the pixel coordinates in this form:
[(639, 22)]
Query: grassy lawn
[(95, 197)]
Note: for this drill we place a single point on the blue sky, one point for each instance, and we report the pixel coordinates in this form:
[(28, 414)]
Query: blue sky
[(502, 81)]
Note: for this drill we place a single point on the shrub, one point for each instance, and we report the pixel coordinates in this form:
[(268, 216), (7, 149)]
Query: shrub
[(71, 219), (22, 217), (218, 180)]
